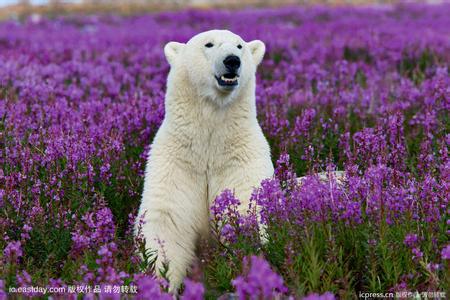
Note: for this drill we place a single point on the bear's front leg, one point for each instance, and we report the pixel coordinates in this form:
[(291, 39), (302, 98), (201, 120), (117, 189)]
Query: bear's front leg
[(241, 178), (175, 214)]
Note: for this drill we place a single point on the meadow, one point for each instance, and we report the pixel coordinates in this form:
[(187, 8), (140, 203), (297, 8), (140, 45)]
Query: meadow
[(360, 89)]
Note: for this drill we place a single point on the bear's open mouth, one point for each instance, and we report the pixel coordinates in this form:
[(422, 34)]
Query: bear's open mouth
[(228, 79)]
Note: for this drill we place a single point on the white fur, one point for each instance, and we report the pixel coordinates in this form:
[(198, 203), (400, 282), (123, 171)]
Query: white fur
[(209, 141)]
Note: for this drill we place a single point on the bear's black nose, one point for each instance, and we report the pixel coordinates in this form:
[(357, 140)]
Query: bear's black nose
[(232, 62)]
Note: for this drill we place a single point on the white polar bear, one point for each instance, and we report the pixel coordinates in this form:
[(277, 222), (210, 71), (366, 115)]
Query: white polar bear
[(210, 140)]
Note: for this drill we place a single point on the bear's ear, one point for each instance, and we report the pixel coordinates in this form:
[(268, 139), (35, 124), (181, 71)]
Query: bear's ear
[(171, 50), (257, 49)]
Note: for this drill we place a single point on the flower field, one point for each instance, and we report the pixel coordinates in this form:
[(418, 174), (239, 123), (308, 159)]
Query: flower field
[(365, 90)]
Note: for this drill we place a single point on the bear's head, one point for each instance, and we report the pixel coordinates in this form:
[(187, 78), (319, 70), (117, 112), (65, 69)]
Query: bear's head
[(218, 64)]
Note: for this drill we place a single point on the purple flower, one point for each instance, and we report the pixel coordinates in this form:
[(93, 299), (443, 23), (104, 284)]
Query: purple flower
[(271, 199), (95, 229), (433, 267), (24, 280), (445, 253), (411, 240), (149, 288), (417, 254), (228, 233), (259, 281), (326, 296), (13, 251), (225, 206), (193, 290)]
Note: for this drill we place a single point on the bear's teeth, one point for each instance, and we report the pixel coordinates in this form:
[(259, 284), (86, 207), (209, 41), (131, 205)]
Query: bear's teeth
[(228, 79)]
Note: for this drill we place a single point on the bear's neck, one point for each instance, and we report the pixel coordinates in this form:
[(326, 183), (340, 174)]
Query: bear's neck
[(184, 103)]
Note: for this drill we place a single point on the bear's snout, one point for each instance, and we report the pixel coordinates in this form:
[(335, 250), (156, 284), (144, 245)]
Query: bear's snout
[(232, 63)]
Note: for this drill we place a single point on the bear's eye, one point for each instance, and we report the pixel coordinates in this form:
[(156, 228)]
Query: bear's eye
[(239, 46), (209, 45)]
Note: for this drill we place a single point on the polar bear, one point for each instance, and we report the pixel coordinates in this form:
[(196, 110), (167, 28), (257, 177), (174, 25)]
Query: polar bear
[(209, 140)]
